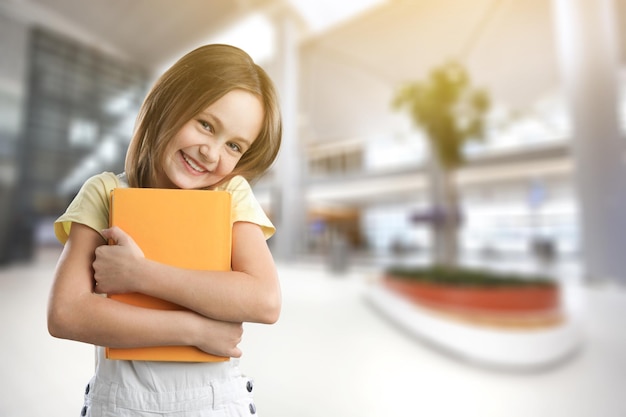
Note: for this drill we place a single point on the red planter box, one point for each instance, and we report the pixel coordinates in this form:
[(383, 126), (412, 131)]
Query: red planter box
[(498, 299)]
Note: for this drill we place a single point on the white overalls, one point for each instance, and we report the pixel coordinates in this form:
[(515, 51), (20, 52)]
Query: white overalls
[(177, 389)]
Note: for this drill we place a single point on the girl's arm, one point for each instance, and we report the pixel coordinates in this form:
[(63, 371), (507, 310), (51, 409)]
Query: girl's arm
[(248, 293), (75, 312)]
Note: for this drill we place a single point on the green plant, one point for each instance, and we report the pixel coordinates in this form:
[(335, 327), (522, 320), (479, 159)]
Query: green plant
[(468, 277), (449, 110)]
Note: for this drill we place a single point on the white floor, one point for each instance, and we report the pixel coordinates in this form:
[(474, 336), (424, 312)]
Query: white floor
[(330, 355)]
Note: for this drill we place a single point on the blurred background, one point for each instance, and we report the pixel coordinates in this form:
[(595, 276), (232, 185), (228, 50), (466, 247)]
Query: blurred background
[(540, 188)]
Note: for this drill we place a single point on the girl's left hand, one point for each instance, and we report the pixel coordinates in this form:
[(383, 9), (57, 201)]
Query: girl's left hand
[(114, 264)]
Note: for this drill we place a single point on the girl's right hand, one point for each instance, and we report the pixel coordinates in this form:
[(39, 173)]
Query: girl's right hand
[(218, 337), (113, 263)]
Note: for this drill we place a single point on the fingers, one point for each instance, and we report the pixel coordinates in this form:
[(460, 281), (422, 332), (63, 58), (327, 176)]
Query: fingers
[(96, 288), (220, 338), (236, 353), (116, 235)]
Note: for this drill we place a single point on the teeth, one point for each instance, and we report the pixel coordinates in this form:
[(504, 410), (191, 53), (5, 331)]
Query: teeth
[(192, 163)]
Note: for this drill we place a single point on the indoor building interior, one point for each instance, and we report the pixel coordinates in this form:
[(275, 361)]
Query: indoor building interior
[(541, 191)]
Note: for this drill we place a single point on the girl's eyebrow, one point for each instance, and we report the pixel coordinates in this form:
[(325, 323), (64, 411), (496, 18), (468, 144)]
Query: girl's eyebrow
[(213, 118), (216, 120)]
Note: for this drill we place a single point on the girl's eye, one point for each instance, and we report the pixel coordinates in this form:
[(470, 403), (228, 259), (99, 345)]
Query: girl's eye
[(234, 147), (206, 125)]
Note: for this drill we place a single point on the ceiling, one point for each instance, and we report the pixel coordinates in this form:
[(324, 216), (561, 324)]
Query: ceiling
[(365, 60), (146, 31), (507, 45)]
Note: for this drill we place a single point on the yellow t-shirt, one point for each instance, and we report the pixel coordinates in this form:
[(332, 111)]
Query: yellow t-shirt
[(91, 205)]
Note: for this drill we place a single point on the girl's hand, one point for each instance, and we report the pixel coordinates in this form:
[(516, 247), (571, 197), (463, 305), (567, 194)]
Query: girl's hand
[(218, 337), (114, 264)]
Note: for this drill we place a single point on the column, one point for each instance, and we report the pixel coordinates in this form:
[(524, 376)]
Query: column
[(586, 34), (287, 197)]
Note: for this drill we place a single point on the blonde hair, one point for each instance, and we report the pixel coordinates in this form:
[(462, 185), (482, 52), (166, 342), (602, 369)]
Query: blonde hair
[(193, 83)]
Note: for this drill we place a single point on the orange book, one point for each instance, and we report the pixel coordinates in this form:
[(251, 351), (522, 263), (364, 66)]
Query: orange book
[(184, 228)]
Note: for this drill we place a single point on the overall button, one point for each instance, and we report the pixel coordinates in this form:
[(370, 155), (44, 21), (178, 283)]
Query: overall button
[(249, 386), (83, 412), (252, 408), (87, 390)]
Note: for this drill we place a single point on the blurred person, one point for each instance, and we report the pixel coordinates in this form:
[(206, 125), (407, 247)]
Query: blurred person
[(210, 122)]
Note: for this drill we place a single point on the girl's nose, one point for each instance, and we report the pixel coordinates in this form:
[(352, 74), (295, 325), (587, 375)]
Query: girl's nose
[(209, 153)]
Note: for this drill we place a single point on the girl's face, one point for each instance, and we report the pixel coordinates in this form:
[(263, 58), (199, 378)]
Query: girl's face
[(207, 148)]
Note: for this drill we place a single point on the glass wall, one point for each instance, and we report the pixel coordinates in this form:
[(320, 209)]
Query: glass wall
[(80, 108)]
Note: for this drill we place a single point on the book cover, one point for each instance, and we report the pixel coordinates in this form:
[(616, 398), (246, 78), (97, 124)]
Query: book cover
[(184, 228)]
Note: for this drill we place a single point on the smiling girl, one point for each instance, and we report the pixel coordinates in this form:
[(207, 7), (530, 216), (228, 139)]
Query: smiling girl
[(210, 122)]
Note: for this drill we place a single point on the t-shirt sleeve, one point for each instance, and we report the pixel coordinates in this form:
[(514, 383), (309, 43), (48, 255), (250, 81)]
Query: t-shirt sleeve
[(245, 206), (90, 206)]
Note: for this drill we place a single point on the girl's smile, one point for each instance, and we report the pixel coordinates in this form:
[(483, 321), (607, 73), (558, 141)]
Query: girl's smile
[(194, 167), (208, 147)]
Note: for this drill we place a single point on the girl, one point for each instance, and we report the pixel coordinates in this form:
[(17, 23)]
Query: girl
[(210, 122)]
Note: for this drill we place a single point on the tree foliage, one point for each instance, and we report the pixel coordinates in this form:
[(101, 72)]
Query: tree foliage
[(449, 110)]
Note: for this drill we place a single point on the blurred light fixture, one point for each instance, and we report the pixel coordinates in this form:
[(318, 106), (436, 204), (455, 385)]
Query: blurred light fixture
[(82, 132), (322, 14), (119, 104), (108, 151), (254, 34)]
